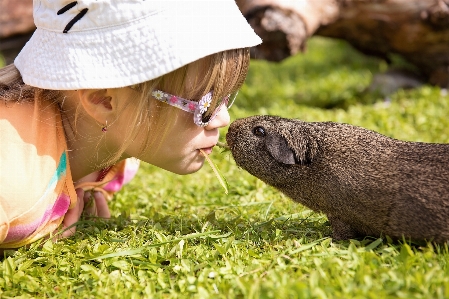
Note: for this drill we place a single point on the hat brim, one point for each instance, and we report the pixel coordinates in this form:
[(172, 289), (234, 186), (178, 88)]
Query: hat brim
[(137, 51)]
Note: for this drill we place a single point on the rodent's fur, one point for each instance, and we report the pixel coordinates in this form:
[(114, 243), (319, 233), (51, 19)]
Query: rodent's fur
[(367, 184)]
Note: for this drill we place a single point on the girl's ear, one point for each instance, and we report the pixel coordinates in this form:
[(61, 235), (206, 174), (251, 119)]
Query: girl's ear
[(100, 104)]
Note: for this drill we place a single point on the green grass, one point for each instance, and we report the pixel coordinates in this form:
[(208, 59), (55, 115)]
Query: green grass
[(182, 237)]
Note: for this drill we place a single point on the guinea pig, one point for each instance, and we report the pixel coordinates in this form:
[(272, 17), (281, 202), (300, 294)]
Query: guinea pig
[(367, 184)]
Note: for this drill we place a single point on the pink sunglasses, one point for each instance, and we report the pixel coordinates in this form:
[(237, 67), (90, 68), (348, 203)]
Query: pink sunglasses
[(198, 109)]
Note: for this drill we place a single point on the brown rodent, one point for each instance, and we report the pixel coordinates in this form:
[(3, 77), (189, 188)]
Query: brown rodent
[(367, 184)]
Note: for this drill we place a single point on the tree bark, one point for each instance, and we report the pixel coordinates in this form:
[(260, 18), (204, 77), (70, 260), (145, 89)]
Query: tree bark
[(417, 30)]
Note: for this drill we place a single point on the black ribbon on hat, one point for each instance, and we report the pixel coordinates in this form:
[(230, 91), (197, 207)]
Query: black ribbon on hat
[(75, 19)]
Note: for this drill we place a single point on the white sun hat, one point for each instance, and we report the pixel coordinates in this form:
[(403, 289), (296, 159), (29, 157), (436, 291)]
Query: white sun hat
[(115, 43)]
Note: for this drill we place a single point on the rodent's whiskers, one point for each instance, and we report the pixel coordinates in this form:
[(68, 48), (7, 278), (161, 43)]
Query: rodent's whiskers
[(223, 145)]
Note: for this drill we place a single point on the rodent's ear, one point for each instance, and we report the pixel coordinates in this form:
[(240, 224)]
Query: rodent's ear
[(278, 147)]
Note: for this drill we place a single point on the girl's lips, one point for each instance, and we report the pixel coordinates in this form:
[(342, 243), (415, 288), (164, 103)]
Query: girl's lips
[(207, 150)]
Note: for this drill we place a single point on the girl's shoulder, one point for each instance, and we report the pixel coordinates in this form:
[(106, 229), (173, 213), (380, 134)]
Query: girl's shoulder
[(35, 184)]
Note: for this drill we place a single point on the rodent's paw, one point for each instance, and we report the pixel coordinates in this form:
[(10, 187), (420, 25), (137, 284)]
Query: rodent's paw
[(341, 230)]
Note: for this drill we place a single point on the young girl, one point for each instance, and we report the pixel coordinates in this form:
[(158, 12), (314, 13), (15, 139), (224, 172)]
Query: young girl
[(101, 82)]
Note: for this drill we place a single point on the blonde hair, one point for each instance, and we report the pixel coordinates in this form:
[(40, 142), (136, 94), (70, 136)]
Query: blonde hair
[(223, 73), (13, 89)]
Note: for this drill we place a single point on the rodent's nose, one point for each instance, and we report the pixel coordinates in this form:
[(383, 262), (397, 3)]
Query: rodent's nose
[(231, 135), (229, 138), (236, 130)]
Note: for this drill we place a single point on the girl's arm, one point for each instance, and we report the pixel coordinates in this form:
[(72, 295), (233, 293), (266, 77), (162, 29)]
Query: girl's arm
[(110, 180), (97, 208), (94, 191)]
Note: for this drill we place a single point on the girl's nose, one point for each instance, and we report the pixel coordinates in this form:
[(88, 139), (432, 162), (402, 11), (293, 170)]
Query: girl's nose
[(222, 119)]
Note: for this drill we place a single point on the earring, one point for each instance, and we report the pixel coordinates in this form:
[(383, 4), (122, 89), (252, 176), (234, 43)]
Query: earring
[(105, 127)]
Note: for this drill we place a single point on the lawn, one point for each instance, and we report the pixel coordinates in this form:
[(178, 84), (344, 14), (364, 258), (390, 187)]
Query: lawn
[(182, 237)]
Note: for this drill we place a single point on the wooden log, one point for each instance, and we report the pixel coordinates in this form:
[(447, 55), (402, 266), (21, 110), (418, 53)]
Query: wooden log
[(417, 30), (285, 25)]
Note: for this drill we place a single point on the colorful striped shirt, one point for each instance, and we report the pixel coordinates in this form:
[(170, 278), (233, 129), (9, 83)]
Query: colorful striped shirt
[(36, 187)]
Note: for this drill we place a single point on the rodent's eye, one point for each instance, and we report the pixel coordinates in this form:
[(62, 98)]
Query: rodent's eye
[(259, 131)]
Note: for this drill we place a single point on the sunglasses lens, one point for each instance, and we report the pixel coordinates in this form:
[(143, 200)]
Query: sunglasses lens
[(210, 116), (207, 117)]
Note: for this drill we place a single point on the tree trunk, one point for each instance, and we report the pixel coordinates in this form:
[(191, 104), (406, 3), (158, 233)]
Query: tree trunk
[(417, 30)]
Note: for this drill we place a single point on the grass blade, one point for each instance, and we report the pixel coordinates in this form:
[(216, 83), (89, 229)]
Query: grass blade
[(220, 178), (138, 250)]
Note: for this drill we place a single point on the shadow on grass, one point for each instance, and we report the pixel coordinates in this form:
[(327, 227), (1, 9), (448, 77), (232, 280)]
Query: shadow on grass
[(257, 231)]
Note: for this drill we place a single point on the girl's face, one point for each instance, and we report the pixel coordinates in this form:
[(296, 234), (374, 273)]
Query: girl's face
[(178, 148)]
